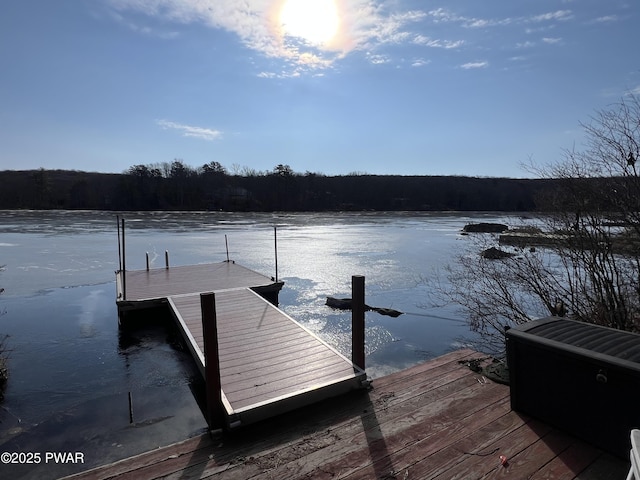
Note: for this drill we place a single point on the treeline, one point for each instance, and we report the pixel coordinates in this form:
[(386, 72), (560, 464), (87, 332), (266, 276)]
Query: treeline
[(176, 186)]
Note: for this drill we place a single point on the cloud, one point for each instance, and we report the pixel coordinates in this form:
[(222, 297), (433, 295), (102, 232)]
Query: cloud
[(364, 25), (420, 63), (143, 30), (472, 65), (378, 59), (605, 19), (437, 43), (551, 41), (191, 131), (559, 15), (442, 15)]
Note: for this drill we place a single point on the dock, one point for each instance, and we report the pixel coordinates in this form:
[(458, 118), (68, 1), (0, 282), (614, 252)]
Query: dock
[(265, 362), (436, 420), (256, 361)]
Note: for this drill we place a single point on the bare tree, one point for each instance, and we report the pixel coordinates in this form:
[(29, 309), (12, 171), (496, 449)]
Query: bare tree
[(589, 266)]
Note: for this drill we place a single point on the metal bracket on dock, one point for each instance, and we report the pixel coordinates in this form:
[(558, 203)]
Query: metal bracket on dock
[(366, 383)]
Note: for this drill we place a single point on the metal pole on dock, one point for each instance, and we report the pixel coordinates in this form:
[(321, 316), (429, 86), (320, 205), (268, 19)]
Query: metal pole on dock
[(119, 252), (130, 409), (215, 409), (166, 258), (226, 245), (147, 255), (357, 320), (275, 245), (124, 266)]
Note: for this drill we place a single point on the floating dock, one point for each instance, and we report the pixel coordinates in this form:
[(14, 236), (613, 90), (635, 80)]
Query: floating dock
[(266, 363)]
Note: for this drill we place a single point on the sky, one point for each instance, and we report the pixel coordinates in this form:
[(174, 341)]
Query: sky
[(406, 87)]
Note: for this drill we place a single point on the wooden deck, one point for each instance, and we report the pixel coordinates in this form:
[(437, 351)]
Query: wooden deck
[(268, 363), (437, 420)]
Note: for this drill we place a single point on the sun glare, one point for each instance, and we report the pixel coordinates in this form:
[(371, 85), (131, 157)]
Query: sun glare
[(315, 21)]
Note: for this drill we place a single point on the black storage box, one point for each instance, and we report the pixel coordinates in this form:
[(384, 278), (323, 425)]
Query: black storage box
[(578, 377)]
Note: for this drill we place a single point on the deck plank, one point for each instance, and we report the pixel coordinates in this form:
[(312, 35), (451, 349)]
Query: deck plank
[(432, 421)]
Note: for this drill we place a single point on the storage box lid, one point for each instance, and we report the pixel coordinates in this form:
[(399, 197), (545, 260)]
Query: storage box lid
[(595, 338)]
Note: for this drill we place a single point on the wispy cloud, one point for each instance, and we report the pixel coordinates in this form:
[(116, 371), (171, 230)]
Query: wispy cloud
[(558, 15), (420, 63), (378, 59), (370, 27), (142, 29), (551, 41), (473, 65), (527, 44), (605, 19), (190, 130), (364, 25), (437, 43), (443, 15)]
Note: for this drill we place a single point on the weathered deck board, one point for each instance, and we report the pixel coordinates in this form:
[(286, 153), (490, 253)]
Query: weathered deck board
[(434, 420)]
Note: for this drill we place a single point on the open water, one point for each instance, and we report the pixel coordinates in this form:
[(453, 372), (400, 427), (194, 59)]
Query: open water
[(72, 371)]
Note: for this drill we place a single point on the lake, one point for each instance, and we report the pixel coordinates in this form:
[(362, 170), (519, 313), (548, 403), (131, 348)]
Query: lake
[(72, 371)]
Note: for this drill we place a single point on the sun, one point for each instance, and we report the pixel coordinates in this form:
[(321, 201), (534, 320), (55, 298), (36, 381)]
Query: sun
[(315, 21)]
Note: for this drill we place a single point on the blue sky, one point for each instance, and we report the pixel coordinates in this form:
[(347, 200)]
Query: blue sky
[(405, 87)]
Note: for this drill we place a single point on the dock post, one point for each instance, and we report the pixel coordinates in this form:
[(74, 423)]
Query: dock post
[(215, 409), (119, 248), (166, 258), (275, 246), (147, 255), (357, 321), (124, 266)]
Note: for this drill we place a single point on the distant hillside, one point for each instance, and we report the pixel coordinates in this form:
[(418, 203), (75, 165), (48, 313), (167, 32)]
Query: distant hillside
[(145, 189)]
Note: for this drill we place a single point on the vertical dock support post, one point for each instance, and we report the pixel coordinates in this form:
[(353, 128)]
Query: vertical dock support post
[(275, 246), (357, 320), (147, 255), (124, 266), (215, 409), (166, 258), (119, 247)]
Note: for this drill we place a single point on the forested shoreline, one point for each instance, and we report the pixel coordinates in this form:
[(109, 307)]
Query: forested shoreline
[(211, 187)]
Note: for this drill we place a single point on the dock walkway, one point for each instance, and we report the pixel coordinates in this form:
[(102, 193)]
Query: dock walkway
[(268, 363), (436, 420)]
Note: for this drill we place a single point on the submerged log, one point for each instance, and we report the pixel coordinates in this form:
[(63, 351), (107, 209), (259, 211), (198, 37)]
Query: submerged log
[(345, 304)]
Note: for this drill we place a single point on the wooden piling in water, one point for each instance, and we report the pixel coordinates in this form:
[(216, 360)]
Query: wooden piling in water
[(357, 321), (215, 408)]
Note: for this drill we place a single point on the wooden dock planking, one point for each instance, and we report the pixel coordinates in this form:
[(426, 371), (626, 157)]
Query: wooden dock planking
[(264, 354), (432, 421), (160, 283)]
